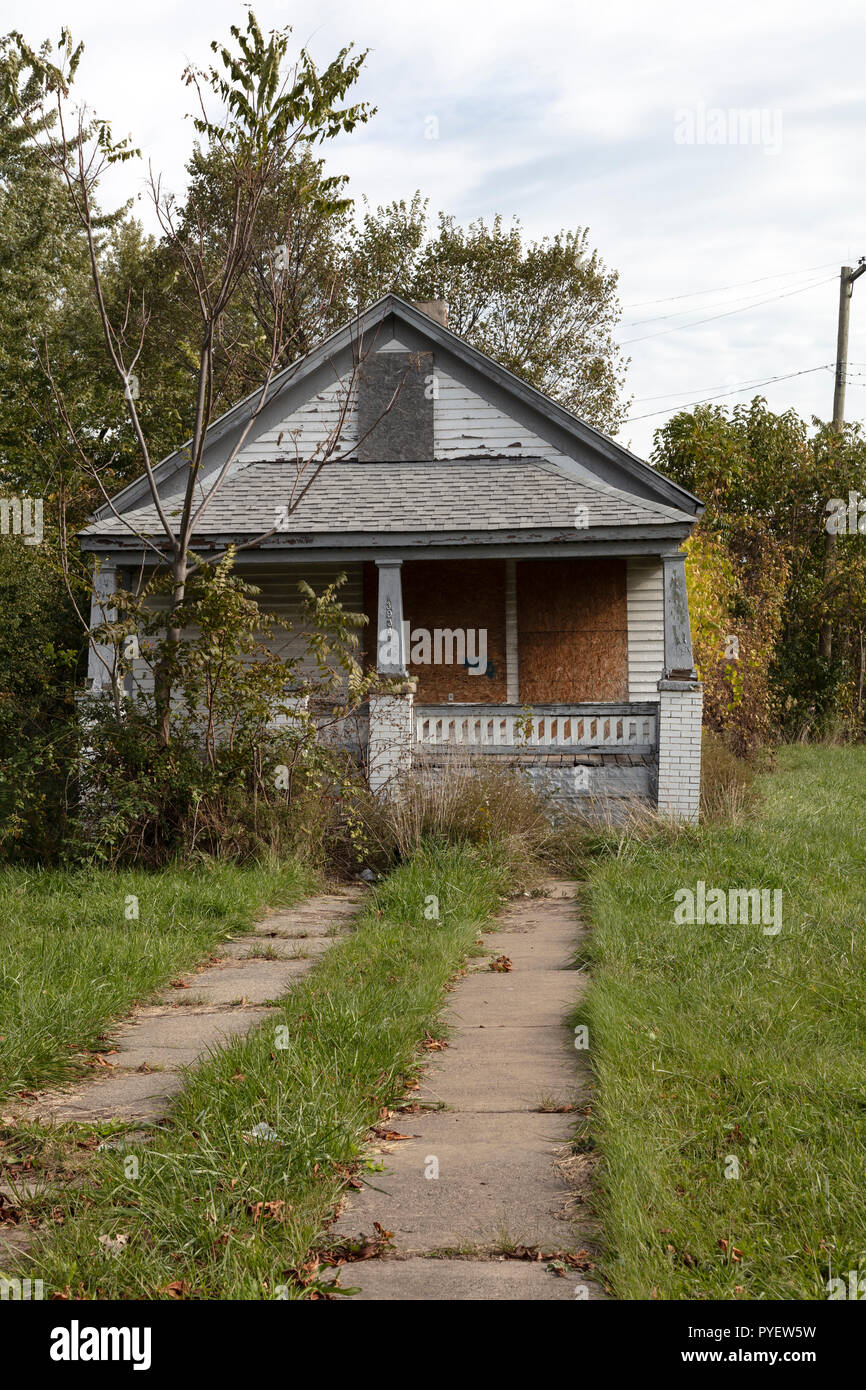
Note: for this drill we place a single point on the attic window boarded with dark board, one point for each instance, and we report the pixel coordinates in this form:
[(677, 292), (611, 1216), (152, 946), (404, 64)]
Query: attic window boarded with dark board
[(395, 408)]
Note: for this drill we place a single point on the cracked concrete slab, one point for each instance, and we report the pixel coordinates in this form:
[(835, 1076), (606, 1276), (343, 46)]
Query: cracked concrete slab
[(157, 1041), (541, 999), (438, 1280), (490, 1170), (468, 1179), (251, 981), (178, 1038), (130, 1095), (502, 1069), (14, 1243), (279, 947)]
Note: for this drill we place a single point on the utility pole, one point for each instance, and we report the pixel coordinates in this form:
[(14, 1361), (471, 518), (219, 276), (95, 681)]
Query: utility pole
[(847, 277)]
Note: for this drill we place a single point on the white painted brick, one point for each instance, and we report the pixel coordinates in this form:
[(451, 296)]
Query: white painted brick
[(679, 753)]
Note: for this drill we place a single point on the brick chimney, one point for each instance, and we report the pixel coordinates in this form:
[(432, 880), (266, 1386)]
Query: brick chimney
[(436, 309)]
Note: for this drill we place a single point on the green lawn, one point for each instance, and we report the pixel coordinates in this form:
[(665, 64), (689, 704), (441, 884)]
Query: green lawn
[(721, 1049), (73, 956), (229, 1198)]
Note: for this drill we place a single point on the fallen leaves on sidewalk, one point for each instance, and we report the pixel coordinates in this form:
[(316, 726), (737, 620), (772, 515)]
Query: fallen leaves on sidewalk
[(364, 1247), (558, 1261), (501, 963)]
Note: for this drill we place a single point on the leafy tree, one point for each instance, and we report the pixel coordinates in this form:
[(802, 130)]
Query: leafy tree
[(270, 110), (767, 481), (545, 309), (40, 646)]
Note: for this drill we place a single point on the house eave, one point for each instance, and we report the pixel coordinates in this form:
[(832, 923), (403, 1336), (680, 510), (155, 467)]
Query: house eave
[(320, 547)]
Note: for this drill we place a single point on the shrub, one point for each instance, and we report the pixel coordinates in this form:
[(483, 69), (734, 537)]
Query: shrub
[(461, 803), (240, 769)]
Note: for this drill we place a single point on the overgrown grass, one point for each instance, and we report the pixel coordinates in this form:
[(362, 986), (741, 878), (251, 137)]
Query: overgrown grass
[(73, 957), (461, 803), (721, 1049), (212, 1211)]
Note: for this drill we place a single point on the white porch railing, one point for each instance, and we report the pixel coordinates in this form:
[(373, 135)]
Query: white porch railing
[(620, 728)]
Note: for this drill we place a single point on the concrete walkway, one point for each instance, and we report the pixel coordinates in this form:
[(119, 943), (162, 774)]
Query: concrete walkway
[(148, 1052), (487, 1165)]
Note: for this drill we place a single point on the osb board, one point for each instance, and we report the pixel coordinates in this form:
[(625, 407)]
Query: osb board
[(572, 622), (458, 594)]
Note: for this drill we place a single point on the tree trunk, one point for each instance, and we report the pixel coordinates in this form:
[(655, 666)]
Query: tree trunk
[(163, 676)]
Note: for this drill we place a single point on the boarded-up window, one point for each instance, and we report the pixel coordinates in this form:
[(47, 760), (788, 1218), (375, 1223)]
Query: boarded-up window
[(395, 407), (463, 597), (572, 626)]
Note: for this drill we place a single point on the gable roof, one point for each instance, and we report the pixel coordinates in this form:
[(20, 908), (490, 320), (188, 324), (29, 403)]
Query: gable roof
[(487, 495), (352, 499)]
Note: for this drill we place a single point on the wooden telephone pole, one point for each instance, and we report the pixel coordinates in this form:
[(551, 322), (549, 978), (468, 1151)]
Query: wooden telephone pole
[(847, 277)]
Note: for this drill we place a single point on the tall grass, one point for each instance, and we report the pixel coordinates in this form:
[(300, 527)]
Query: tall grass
[(215, 1212), (463, 802), (74, 956), (720, 1043)]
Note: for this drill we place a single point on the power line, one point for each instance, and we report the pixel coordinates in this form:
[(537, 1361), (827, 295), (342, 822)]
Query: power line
[(666, 395), (721, 304), (771, 299), (720, 289), (733, 391)]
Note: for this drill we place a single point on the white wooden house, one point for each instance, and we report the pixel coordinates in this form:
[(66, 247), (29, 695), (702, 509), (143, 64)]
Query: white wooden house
[(522, 573)]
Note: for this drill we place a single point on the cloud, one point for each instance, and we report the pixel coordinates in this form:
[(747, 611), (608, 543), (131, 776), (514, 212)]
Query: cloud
[(565, 115)]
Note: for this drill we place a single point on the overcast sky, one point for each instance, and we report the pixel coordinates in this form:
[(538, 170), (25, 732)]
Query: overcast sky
[(625, 117)]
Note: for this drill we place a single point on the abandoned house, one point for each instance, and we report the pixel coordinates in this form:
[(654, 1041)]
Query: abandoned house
[(522, 573)]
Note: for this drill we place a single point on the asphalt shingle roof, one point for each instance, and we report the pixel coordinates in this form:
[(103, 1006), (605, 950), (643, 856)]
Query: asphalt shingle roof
[(435, 496)]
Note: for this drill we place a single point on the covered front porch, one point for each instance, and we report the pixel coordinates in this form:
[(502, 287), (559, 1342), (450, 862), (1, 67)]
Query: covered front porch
[(577, 669)]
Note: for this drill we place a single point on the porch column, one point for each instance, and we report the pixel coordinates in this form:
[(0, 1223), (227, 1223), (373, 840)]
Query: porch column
[(102, 656), (678, 634), (680, 704), (390, 649), (392, 719)]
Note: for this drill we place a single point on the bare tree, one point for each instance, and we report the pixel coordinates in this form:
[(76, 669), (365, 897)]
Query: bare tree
[(269, 108)]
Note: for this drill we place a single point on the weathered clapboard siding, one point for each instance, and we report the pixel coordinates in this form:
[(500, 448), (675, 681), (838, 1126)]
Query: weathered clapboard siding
[(646, 628), (278, 595), (310, 428), (463, 424)]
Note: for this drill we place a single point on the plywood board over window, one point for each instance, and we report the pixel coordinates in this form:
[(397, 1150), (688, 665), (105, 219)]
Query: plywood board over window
[(458, 595), (572, 623)]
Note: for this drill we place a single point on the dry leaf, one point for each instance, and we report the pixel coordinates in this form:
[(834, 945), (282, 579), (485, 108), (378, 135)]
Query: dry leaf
[(178, 1288), (258, 1209), (113, 1244)]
